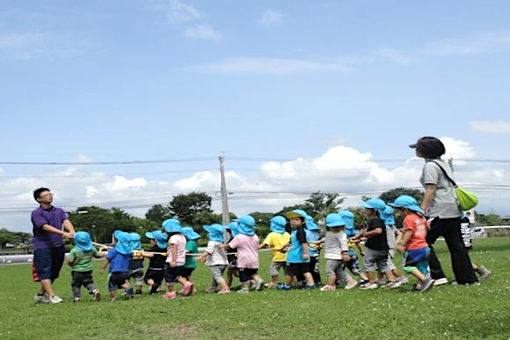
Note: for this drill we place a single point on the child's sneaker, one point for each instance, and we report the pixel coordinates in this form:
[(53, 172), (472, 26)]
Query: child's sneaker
[(129, 294), (314, 286), (426, 285), (243, 291), (187, 288), (96, 295), (224, 291), (363, 282), (138, 291), (327, 288), (41, 298), (393, 284), (153, 289), (259, 284), (113, 299), (76, 299), (370, 286), (55, 299), (270, 285), (351, 284), (170, 295), (403, 280), (211, 290), (382, 282), (283, 286)]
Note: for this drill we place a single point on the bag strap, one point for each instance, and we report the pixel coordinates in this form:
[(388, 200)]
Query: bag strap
[(445, 173)]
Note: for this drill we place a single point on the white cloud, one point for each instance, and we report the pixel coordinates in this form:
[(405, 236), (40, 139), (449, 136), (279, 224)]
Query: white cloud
[(203, 32), (249, 65), (395, 56), (176, 11), (467, 46), (491, 126), (341, 168), (271, 18)]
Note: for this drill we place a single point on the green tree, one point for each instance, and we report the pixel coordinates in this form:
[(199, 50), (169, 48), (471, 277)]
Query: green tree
[(186, 207), (391, 195), (491, 219), (320, 204), (158, 213)]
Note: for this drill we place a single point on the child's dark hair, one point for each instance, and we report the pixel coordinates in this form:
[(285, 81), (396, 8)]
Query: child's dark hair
[(39, 191)]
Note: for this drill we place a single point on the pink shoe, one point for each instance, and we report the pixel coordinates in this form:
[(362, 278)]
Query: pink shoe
[(187, 288), (170, 295)]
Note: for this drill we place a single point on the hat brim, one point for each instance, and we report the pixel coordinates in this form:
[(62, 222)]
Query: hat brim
[(365, 205), (336, 225), (149, 235), (84, 247), (290, 215), (413, 146)]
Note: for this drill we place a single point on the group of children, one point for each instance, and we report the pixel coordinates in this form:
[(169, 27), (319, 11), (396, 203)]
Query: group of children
[(295, 241)]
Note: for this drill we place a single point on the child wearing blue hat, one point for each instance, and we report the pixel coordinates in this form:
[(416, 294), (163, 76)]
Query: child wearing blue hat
[(174, 268), (136, 262), (157, 259), (376, 256), (414, 241), (312, 231), (215, 257), (80, 259), (118, 261), (350, 233), (391, 232), (247, 245), (232, 230), (277, 239), (191, 248), (298, 258), (336, 252)]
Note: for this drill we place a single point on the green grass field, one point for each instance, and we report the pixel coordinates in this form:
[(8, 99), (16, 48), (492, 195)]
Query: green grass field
[(454, 312)]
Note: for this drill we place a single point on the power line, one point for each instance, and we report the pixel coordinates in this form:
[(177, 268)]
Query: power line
[(182, 160)]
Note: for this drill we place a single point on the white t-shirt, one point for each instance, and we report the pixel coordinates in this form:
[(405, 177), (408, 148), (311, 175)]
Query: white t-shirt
[(180, 241), (217, 256), (334, 244), (444, 203)]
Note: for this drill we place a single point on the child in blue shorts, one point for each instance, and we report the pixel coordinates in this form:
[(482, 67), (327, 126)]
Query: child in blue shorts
[(118, 261)]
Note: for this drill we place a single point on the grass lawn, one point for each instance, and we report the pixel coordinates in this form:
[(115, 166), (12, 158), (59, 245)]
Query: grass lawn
[(454, 312)]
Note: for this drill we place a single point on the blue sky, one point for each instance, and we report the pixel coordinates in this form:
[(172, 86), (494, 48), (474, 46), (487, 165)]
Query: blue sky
[(165, 79)]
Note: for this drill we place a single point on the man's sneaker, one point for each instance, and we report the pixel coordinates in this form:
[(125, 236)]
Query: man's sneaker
[(96, 295), (370, 286), (403, 280), (441, 281), (170, 295), (426, 285), (393, 284), (259, 284), (283, 286), (55, 299), (484, 273)]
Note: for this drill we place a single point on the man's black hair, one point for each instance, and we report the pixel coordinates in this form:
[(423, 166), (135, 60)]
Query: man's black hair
[(39, 191)]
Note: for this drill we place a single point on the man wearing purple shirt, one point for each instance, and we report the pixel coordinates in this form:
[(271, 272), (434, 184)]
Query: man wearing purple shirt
[(49, 223)]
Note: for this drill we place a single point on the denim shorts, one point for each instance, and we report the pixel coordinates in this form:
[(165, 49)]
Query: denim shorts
[(48, 262), (376, 260)]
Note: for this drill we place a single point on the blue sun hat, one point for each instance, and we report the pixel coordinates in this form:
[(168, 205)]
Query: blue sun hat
[(135, 243), (278, 224), (376, 204), (310, 224), (388, 216), (172, 225), (334, 220), (190, 234), (82, 241), (246, 225), (123, 245), (234, 228), (159, 236), (348, 218), (215, 232), (407, 202)]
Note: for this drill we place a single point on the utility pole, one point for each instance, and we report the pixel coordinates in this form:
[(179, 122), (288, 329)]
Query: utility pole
[(225, 217)]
